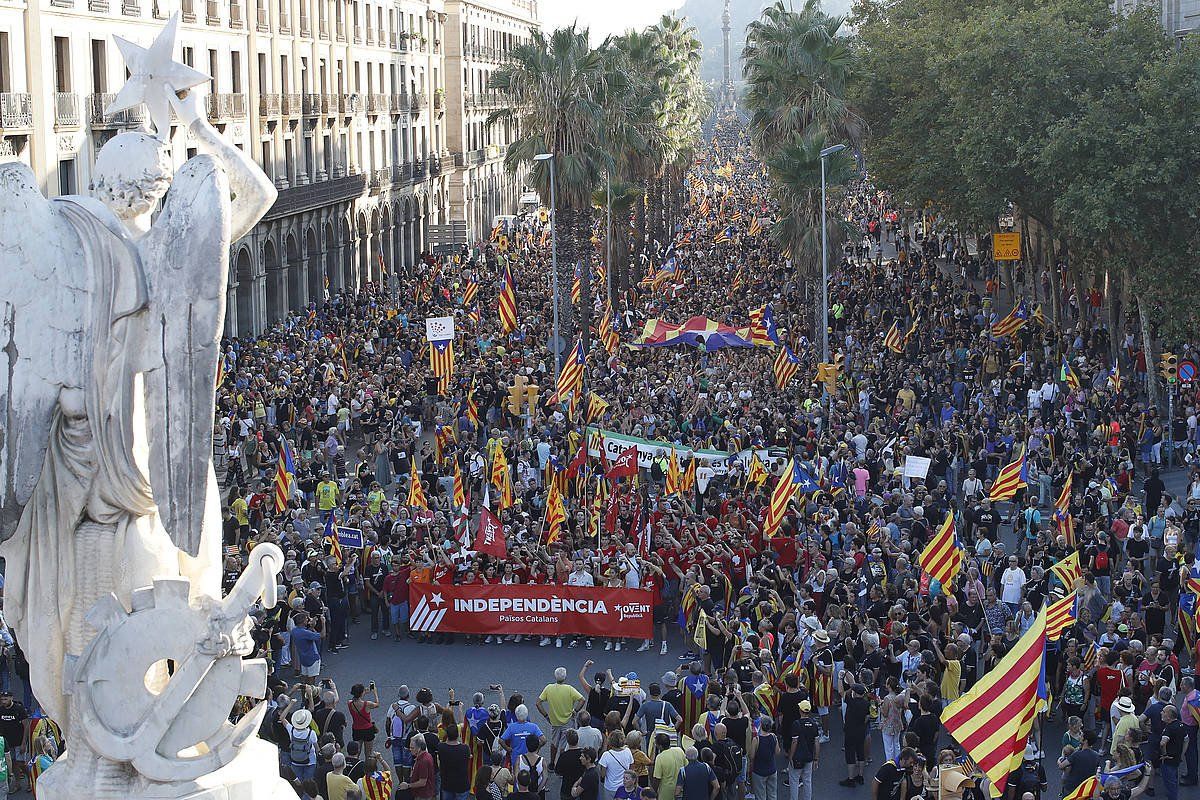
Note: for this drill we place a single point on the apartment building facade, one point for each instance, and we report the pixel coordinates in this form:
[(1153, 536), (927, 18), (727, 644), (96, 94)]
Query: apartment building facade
[(480, 36), (342, 102)]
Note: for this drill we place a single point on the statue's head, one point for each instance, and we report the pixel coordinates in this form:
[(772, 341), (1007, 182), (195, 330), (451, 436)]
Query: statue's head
[(133, 172)]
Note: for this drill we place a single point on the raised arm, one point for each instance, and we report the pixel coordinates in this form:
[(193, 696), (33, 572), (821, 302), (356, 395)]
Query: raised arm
[(252, 192)]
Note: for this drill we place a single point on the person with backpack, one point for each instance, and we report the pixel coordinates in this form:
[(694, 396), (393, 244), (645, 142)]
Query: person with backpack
[(729, 761), (398, 726), (804, 753), (657, 716), (302, 745), (764, 767)]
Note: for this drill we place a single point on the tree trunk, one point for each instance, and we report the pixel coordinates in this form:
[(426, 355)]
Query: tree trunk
[(1148, 346), (583, 235), (567, 254)]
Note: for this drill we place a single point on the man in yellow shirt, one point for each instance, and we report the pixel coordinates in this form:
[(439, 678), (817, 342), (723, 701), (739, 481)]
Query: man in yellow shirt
[(375, 498), (328, 495), (337, 781), (558, 703), (667, 764)]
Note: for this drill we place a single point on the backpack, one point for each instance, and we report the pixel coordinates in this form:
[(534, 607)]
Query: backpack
[(1102, 559), (662, 726), (300, 748), (729, 758)]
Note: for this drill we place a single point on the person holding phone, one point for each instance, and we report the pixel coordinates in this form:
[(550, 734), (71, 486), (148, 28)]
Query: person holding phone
[(363, 728)]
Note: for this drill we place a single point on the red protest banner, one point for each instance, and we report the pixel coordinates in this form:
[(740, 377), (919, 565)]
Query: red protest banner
[(530, 609)]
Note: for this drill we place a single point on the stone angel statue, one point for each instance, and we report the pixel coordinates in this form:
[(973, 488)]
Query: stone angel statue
[(111, 322)]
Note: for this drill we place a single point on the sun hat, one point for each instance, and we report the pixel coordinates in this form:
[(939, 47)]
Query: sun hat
[(302, 718)]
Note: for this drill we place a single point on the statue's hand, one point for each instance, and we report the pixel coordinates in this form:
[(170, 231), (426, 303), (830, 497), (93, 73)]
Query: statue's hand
[(188, 108)]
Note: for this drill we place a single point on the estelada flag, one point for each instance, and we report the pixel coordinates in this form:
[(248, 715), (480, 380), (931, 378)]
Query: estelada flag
[(626, 465), (490, 538)]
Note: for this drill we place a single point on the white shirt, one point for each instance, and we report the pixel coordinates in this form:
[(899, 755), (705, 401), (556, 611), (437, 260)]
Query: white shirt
[(580, 579), (1011, 583)]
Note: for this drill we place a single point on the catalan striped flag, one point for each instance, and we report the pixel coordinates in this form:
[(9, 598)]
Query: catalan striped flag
[(793, 479), (993, 720), (1019, 364), (1090, 654), (1064, 523), (1068, 571), (723, 236), (284, 470), (416, 492), (470, 291), (756, 472), (441, 357), (1060, 615), (378, 785), (506, 304), (688, 481), (942, 557), (495, 234), (220, 371), (674, 475), (462, 513), (597, 405), (892, 339), (1013, 477), (762, 327), (756, 227), (577, 285), (570, 379), (556, 515), (1186, 619), (705, 208), (471, 407), (1068, 376), (1114, 378), (608, 336), (1063, 501), (1086, 790), (1038, 316), (502, 479), (786, 367), (1013, 322), (331, 541), (912, 329)]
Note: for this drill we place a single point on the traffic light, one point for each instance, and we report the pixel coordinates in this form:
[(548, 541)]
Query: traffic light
[(531, 395), (839, 364), (516, 394), (1169, 367)]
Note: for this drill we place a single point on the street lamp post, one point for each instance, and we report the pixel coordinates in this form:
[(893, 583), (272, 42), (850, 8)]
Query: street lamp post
[(553, 259), (828, 151)]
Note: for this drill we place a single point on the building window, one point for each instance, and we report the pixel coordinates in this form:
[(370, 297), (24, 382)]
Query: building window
[(66, 176), (99, 67), (62, 64)]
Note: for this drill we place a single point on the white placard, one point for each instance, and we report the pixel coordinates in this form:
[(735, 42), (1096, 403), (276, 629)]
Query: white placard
[(439, 329), (916, 466)]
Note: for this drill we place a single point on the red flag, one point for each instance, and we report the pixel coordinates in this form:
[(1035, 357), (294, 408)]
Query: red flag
[(626, 465), (490, 538), (579, 460), (635, 527), (612, 512)]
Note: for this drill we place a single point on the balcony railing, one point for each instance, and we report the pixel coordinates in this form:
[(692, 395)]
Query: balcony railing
[(470, 158), (358, 34), (285, 21), (315, 195), (398, 103), (312, 104), (341, 31), (270, 105), (370, 35), (329, 104), (419, 101), (439, 99), (305, 27), (291, 105), (350, 104), (418, 169), (435, 166), (187, 10), (66, 109), (98, 118), (402, 174), (377, 104), (213, 12), (102, 7), (380, 178), (323, 26), (236, 20), (226, 106), (16, 111)]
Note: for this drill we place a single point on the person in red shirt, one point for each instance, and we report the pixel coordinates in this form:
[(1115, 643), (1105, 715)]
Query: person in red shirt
[(1109, 682), (422, 781), (395, 589)]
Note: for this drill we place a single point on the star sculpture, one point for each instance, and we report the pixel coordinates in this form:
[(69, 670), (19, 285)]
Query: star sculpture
[(153, 76)]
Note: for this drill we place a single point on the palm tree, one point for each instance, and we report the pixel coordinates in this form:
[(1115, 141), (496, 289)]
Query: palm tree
[(553, 83)]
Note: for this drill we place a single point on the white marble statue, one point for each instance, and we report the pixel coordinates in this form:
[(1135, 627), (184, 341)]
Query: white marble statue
[(110, 320)]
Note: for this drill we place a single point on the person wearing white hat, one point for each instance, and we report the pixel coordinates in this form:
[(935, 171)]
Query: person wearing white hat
[(302, 744), (821, 679), (1125, 720)]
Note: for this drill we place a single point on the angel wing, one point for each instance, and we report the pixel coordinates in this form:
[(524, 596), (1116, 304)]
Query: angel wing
[(185, 255), (44, 336)]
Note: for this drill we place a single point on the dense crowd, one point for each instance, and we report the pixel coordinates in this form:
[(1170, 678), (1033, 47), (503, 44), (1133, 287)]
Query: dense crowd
[(823, 628)]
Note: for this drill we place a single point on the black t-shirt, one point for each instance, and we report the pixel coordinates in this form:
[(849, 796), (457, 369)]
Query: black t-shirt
[(1176, 733), (1082, 765), (890, 778), (857, 711), (455, 758), (597, 702), (569, 767), (331, 722), (589, 782), (11, 727), (804, 733)]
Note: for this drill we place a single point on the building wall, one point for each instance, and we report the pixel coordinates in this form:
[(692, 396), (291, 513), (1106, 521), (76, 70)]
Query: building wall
[(342, 102), (480, 35)]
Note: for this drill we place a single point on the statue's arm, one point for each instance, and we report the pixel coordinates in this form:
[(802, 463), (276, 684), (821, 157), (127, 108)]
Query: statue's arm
[(251, 190)]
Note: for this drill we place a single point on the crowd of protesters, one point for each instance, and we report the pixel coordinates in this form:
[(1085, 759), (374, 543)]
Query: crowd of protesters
[(837, 586)]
